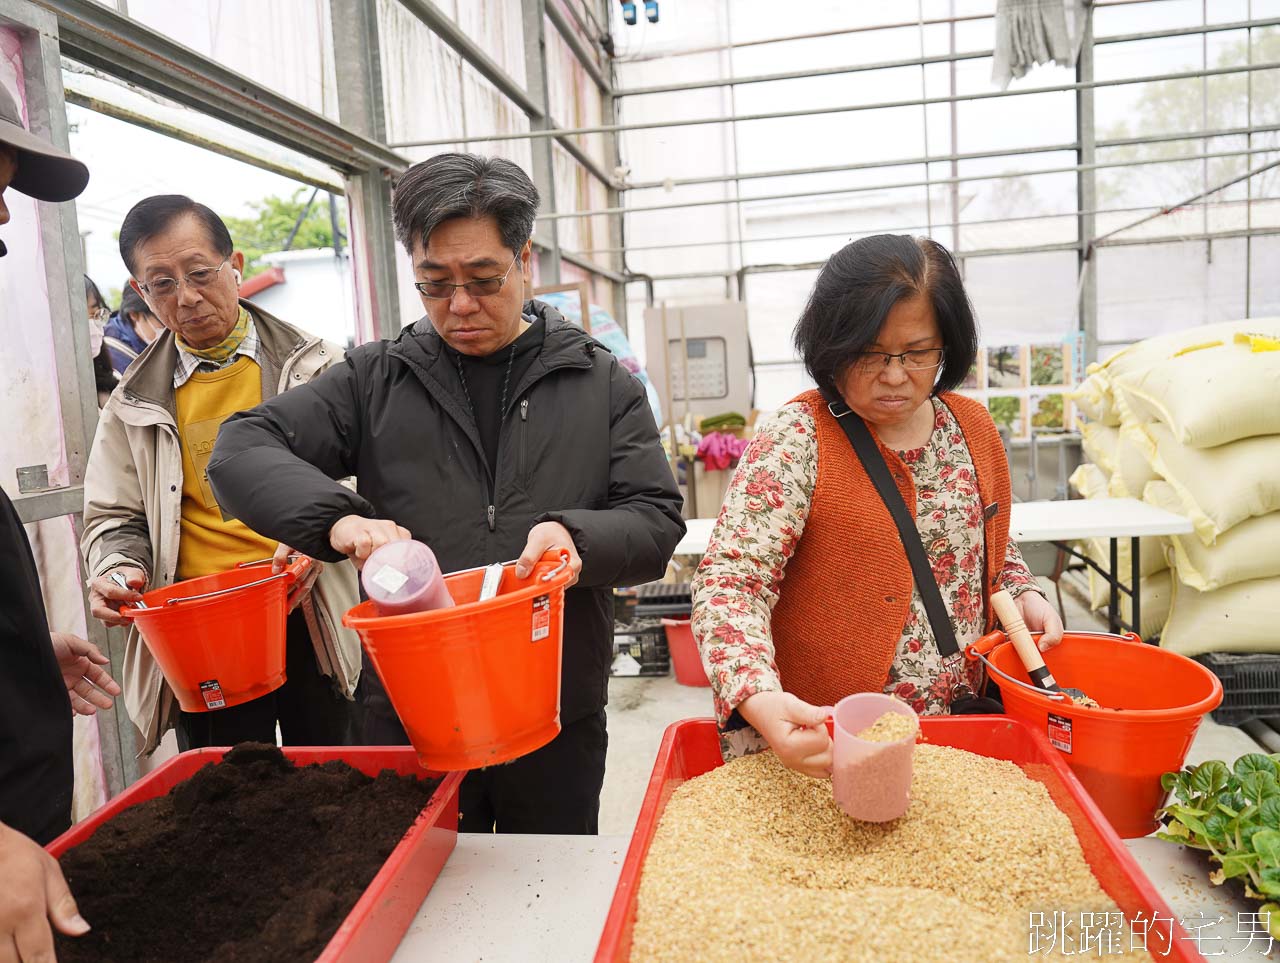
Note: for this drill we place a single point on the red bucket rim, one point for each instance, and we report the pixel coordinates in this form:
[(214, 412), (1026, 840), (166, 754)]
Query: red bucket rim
[(355, 619), (161, 605), (1199, 708)]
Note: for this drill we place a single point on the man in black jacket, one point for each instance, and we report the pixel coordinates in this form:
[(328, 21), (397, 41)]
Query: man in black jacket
[(490, 429)]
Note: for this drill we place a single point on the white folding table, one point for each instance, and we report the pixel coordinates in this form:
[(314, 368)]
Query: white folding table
[(1061, 522), (1058, 522)]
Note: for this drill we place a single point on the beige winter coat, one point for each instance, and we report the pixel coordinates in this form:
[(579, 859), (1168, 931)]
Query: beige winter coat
[(133, 506)]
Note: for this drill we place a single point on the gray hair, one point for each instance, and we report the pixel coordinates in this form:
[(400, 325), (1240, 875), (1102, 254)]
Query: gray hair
[(464, 185)]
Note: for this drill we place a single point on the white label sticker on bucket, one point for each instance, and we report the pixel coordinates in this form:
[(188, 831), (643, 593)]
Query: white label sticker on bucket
[(391, 579), (212, 693), (1060, 732), (541, 618)]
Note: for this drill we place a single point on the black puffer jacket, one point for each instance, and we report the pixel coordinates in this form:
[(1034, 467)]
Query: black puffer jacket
[(578, 446)]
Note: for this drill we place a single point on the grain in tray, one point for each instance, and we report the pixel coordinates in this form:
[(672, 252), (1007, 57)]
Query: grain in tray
[(754, 861)]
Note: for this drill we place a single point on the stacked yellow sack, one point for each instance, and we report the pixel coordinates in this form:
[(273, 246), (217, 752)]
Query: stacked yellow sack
[(1212, 431), (1095, 396), (1201, 409), (1091, 480)]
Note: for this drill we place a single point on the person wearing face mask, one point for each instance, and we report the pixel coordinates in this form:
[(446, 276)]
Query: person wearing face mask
[(104, 377), (491, 429), (130, 330), (150, 515), (44, 677)]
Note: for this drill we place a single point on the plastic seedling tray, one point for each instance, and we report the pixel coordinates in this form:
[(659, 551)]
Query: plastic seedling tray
[(692, 747), (373, 929)]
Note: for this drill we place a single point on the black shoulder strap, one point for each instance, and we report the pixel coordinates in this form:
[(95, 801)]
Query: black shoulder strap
[(868, 452)]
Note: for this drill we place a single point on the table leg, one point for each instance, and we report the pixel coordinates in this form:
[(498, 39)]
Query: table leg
[(1135, 589), (1113, 609)]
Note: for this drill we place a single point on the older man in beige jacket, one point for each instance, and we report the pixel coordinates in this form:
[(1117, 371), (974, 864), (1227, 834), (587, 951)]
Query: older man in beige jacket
[(150, 515)]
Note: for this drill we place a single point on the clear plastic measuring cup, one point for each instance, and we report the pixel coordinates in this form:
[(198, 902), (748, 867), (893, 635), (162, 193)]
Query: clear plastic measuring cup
[(871, 780)]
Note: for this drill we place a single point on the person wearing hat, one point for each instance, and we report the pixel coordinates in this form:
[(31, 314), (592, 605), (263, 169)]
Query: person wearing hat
[(43, 676)]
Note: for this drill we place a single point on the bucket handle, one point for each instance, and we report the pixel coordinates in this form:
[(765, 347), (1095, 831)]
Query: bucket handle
[(1057, 696), (979, 647), (297, 565), (564, 563), (225, 591)]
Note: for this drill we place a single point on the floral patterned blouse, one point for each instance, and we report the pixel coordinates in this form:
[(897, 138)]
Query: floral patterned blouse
[(769, 499)]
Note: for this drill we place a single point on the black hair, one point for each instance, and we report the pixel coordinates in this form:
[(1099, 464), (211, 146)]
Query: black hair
[(91, 291), (857, 288), (104, 377), (152, 215), (131, 302), (447, 186)]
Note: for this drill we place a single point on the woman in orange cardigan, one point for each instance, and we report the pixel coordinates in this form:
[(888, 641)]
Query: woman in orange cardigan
[(890, 330)]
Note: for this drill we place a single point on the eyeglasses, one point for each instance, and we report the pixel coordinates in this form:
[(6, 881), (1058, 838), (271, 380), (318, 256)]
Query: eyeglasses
[(921, 359), (199, 278), (479, 288)]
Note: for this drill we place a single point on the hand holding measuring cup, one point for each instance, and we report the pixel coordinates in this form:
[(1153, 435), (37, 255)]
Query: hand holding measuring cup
[(871, 778)]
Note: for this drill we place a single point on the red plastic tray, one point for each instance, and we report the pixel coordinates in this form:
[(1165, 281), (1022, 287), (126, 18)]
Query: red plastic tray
[(692, 747), (373, 929)]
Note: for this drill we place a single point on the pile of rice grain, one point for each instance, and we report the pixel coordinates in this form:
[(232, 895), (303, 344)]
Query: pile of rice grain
[(753, 861), (890, 727)]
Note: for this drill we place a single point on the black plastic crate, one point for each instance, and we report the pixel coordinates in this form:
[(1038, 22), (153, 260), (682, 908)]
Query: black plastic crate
[(645, 640), (656, 599), (1250, 685)]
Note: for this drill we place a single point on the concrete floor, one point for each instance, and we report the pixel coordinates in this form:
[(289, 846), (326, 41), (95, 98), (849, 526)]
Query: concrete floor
[(640, 709)]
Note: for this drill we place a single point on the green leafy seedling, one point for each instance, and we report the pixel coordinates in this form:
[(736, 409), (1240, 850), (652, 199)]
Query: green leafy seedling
[(1233, 813)]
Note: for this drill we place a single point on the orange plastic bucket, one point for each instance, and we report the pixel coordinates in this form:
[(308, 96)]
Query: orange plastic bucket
[(479, 683), (219, 639), (1152, 703)]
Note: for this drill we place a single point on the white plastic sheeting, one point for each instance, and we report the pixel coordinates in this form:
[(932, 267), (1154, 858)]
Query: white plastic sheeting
[(286, 45), (33, 423)]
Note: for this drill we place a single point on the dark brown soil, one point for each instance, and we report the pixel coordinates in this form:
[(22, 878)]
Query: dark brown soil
[(253, 859)]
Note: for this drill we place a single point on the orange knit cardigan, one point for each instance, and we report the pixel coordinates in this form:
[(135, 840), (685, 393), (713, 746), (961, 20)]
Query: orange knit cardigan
[(847, 589)]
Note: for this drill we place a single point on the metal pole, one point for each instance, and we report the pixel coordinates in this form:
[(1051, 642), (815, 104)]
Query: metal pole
[(843, 109), (358, 69), (966, 255), (876, 230), (872, 188), (534, 106), (1248, 186), (592, 268), (955, 141), (955, 156), (787, 38), (335, 227), (535, 60), (102, 38), (137, 119), (1182, 238), (950, 58), (447, 29), (580, 50), (1087, 195), (613, 198), (1098, 241), (76, 392)]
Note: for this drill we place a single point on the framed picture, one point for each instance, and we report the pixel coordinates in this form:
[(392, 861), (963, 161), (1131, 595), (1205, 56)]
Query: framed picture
[(1050, 364), (1009, 412), (1050, 411), (975, 380), (1006, 366)]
